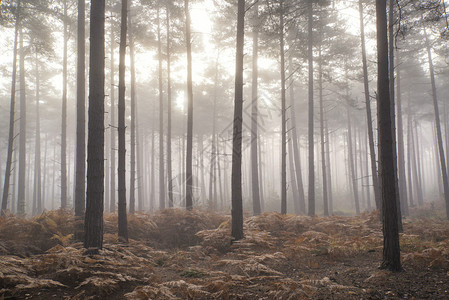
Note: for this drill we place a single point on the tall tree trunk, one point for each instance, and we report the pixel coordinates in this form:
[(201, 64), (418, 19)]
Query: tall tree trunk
[(22, 133), (392, 103), (236, 184), (11, 121), (351, 157), (132, 175), (161, 119), (93, 225), (438, 125), (140, 163), (310, 125), (323, 153), (409, 154), (44, 180), (401, 161), (64, 113), (283, 118), (80, 169), (121, 171), (292, 175), (374, 175), (391, 250), (419, 173), (169, 104), (296, 152), (329, 174), (113, 124), (189, 151), (37, 190), (254, 115)]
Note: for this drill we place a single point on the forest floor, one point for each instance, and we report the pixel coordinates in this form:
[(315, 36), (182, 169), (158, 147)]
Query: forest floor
[(177, 254)]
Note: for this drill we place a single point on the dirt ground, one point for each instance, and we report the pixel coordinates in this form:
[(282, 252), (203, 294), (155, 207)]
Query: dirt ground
[(188, 255)]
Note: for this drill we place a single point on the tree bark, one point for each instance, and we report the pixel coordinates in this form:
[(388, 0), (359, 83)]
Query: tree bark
[(93, 226), (283, 118), (254, 115), (113, 124), (64, 113), (438, 125), (374, 175), (351, 157), (122, 217), (161, 118), (391, 249), (189, 150), (37, 190), (169, 104), (132, 175), (22, 133), (401, 160), (80, 172), (311, 141), (11, 121), (236, 184)]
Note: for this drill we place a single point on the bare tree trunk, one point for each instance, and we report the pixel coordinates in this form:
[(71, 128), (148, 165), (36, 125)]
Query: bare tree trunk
[(296, 152), (64, 113), (37, 190), (122, 217), (292, 175), (391, 250), (401, 161), (438, 126), (409, 154), (311, 142), (392, 103), (323, 153), (11, 122), (140, 163), (169, 104), (237, 205), (113, 124), (351, 157), (283, 118), (374, 175), (329, 174), (80, 179), (189, 190), (22, 134), (93, 226), (161, 118), (254, 115), (417, 160), (132, 176)]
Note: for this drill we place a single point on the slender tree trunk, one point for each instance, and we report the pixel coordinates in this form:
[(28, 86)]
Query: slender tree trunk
[(169, 104), (44, 180), (401, 161), (236, 184), (132, 175), (37, 194), (140, 163), (254, 115), (311, 142), (93, 226), (122, 217), (329, 174), (153, 166), (80, 172), (161, 119), (392, 103), (419, 172), (391, 250), (64, 113), (22, 133), (374, 175), (283, 118), (189, 183), (292, 175), (323, 153), (113, 124), (351, 157), (12, 104), (296, 147), (410, 148), (438, 125)]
